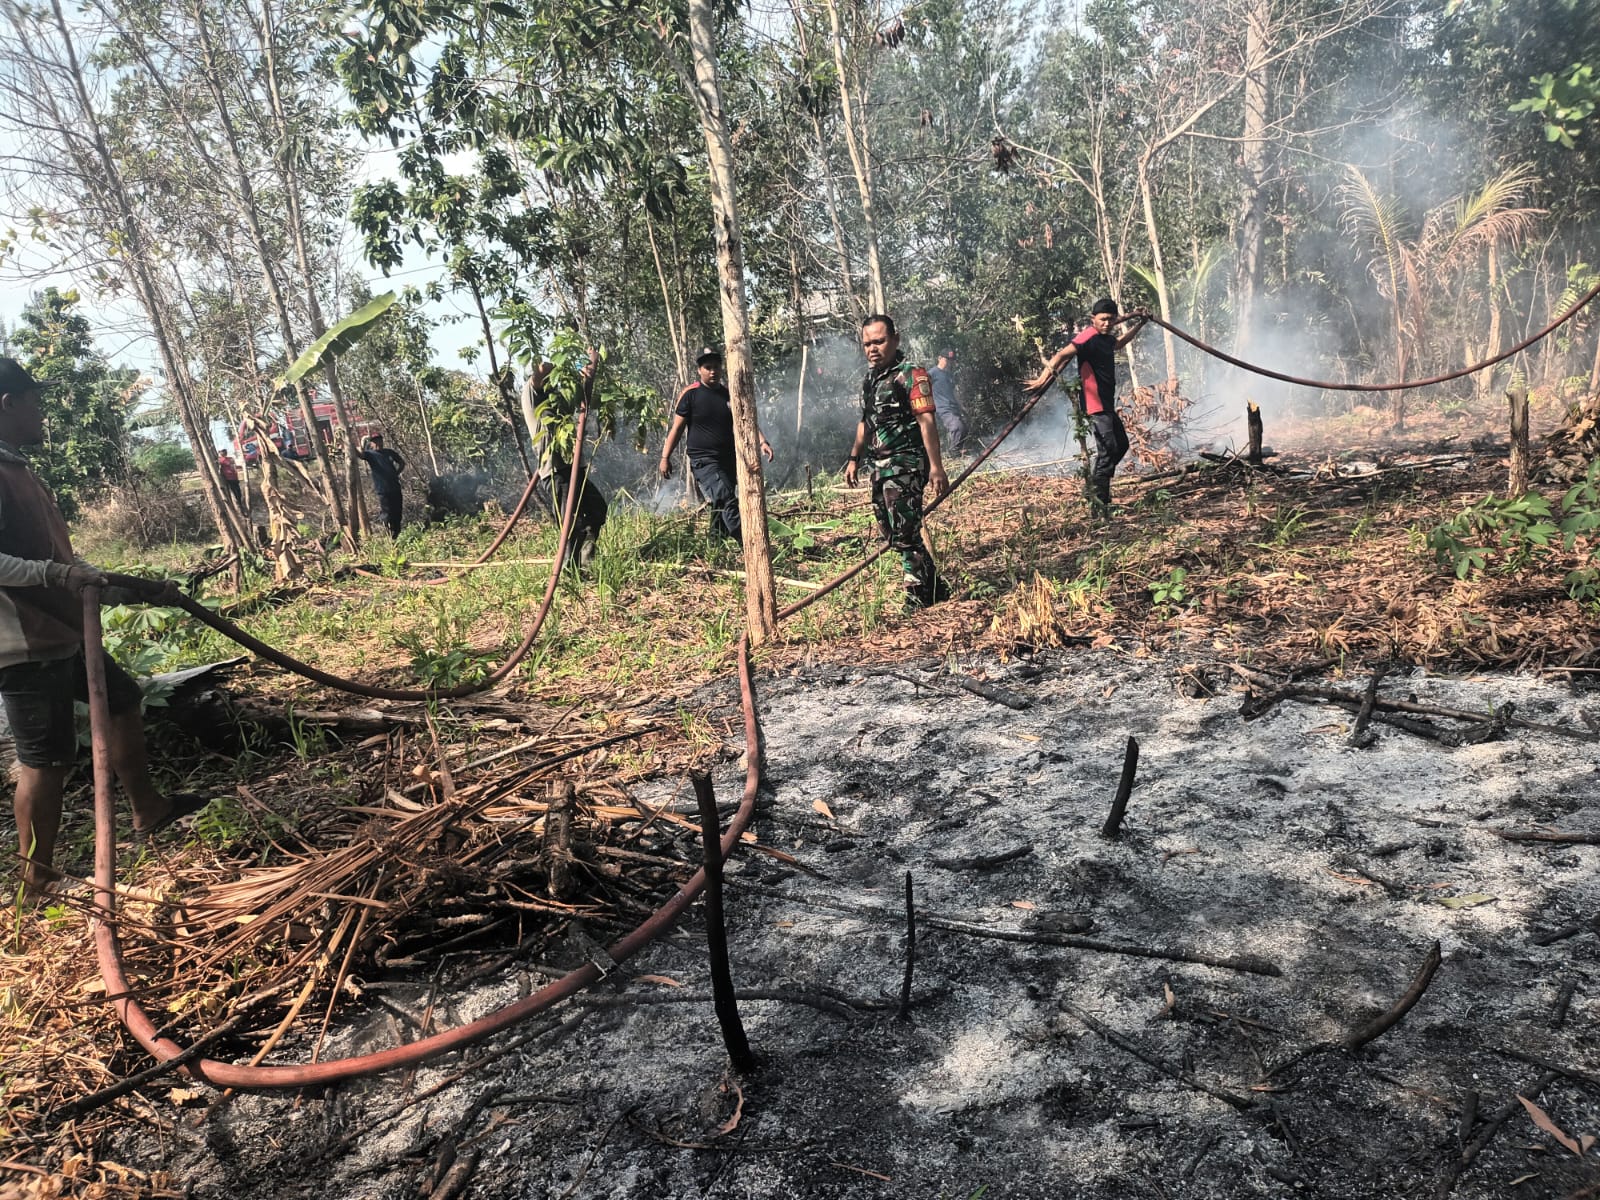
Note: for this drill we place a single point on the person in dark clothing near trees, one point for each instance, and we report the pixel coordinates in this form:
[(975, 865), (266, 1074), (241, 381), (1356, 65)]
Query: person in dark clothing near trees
[(1096, 351), (898, 433), (704, 411), (945, 407), (386, 466)]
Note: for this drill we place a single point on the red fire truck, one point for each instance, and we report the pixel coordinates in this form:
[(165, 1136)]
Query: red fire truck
[(290, 436)]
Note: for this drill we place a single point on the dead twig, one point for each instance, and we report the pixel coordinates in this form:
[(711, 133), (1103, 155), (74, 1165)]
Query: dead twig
[(1397, 1011), (1241, 1103), (983, 862), (1119, 805), (903, 1012), (1469, 1153), (1359, 736)]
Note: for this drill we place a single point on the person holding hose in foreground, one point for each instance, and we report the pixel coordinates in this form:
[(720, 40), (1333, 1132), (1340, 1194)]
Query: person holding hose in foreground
[(1096, 351), (898, 433), (41, 652)]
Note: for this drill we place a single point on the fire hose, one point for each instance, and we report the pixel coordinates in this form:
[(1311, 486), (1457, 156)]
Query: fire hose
[(165, 594), (1578, 306), (235, 1075), (222, 1074)]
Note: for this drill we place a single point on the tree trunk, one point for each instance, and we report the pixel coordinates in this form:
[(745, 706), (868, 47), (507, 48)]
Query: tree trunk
[(1158, 266), (284, 160), (1492, 346), (1517, 398), (101, 178), (760, 590), (509, 401), (855, 140), (250, 211), (675, 328), (1253, 173), (1252, 421)]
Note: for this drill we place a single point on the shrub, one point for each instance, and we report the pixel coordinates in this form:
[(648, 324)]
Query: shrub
[(159, 461), (147, 513)]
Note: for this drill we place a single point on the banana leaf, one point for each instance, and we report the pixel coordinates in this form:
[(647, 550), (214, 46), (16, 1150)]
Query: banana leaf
[(336, 341)]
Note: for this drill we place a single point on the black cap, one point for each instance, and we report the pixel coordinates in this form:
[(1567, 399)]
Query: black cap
[(947, 354), (707, 352), (15, 380), (1104, 305)]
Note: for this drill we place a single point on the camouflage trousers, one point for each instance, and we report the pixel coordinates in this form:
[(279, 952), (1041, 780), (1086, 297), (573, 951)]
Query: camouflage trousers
[(897, 501)]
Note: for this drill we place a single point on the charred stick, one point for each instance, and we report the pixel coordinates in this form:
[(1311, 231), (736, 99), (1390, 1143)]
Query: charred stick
[(1130, 765), (1501, 714), (1116, 1039), (1539, 835), (1358, 735), (990, 691), (983, 862), (1469, 1116), (1533, 1060), (1557, 935), (822, 1001), (1558, 1015), (726, 1005), (1397, 1011), (558, 822), (1249, 963), (904, 1010), (1470, 1152)]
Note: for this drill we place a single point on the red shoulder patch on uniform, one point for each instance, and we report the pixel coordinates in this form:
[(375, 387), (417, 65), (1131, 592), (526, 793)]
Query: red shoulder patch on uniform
[(920, 388)]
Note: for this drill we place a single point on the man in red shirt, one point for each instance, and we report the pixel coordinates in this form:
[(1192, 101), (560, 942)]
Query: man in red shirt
[(229, 470), (41, 651), (1096, 351)]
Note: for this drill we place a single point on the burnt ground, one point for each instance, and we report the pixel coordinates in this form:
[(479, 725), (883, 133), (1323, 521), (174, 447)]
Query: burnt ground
[(1025, 1068)]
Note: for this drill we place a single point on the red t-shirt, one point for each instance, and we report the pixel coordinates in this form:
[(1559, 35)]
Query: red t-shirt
[(1097, 367)]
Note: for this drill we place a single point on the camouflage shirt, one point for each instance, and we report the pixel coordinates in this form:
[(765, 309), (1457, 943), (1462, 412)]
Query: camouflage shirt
[(892, 397)]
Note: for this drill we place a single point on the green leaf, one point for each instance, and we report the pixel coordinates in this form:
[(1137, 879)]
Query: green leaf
[(336, 341)]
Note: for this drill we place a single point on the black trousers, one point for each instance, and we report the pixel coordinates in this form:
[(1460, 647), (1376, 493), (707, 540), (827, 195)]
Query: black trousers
[(1110, 448), (392, 504), (718, 480)]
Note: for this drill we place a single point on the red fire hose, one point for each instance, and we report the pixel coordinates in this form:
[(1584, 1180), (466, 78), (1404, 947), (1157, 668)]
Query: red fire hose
[(235, 1075), (222, 1074), (1332, 385)]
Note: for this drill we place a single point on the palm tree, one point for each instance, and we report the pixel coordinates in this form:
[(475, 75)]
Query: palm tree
[(1441, 258)]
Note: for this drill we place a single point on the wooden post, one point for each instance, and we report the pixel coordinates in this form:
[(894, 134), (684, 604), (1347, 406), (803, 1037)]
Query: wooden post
[(1517, 398), (1130, 765), (727, 1007), (558, 820), (1252, 419)]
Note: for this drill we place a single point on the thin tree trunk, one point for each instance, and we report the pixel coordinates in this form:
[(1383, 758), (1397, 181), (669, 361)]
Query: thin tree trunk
[(675, 329), (860, 161), (509, 401), (760, 590), (1157, 265), (283, 159), (102, 178), (1253, 171), (250, 211)]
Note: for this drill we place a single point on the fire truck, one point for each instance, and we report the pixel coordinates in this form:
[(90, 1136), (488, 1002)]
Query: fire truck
[(293, 440)]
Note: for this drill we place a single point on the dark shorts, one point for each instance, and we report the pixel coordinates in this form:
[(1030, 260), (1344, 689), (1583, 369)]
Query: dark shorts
[(38, 698)]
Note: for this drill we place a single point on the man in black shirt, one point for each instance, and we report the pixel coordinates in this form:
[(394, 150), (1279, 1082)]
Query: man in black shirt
[(1096, 351), (386, 466), (703, 410)]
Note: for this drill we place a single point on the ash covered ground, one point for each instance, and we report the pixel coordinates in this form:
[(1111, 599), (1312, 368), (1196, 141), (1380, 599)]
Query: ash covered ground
[(1026, 1068)]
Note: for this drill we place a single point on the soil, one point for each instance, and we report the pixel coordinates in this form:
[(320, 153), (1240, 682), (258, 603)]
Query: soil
[(1043, 1067)]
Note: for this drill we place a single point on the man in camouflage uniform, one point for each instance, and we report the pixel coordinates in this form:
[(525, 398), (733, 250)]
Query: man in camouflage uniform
[(898, 434)]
